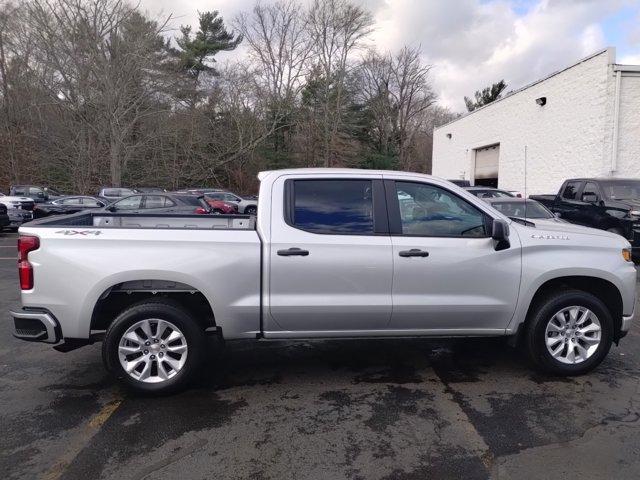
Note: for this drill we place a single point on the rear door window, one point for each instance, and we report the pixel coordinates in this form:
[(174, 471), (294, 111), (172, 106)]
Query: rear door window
[(570, 191), (333, 206), (129, 203)]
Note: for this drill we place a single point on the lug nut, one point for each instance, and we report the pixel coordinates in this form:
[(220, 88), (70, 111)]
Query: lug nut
[(146, 352), (153, 357), (147, 343), (161, 354), (162, 345), (155, 340)]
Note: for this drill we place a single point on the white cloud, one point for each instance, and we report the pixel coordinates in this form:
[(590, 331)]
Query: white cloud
[(471, 43)]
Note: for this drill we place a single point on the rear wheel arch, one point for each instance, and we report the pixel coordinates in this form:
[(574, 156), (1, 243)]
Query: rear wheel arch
[(602, 289), (117, 298)]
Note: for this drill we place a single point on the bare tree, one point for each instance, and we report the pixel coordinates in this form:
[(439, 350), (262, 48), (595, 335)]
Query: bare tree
[(337, 29), (412, 95)]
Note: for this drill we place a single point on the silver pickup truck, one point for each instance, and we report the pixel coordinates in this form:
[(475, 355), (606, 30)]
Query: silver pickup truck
[(332, 253)]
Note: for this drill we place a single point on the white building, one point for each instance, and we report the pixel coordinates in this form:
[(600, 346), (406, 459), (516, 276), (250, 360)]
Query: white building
[(583, 121)]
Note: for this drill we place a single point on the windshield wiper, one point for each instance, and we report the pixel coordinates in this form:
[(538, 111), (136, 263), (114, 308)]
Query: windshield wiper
[(522, 221)]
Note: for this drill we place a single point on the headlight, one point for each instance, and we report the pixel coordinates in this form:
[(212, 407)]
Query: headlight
[(626, 254), (635, 213)]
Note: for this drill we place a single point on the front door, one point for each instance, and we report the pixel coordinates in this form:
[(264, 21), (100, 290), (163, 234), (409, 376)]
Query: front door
[(448, 276), (330, 265)]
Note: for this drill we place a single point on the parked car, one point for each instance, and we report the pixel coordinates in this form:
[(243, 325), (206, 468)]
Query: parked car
[(17, 202), (4, 217), (113, 194), (38, 194), (611, 204), (246, 206), (488, 192), (219, 207), (330, 255), (156, 204), (17, 217), (526, 209), (66, 205)]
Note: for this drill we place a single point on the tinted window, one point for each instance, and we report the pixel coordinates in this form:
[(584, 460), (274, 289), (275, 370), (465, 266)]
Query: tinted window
[(229, 197), (333, 206), (111, 192), (430, 211), (19, 191), (571, 190), (129, 203), (590, 189), (157, 201)]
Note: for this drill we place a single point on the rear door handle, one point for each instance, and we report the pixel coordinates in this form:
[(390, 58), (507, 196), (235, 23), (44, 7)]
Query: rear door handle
[(414, 252), (294, 251)]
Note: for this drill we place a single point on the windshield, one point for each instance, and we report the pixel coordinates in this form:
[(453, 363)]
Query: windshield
[(621, 189), (517, 209)]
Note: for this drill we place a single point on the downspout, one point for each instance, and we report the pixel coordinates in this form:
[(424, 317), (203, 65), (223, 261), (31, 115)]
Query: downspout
[(616, 121)]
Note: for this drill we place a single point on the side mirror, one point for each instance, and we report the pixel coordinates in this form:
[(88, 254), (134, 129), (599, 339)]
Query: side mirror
[(500, 233), (112, 208), (590, 198)]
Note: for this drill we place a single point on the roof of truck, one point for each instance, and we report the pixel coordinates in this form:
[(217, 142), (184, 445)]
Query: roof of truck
[(353, 171)]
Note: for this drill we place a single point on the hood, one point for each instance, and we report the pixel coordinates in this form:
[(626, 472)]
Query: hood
[(561, 227)]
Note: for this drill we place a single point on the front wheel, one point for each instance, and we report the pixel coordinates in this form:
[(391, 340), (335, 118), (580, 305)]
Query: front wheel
[(154, 346), (569, 333)]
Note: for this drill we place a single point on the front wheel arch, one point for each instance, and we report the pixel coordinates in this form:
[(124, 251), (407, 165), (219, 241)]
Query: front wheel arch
[(604, 290)]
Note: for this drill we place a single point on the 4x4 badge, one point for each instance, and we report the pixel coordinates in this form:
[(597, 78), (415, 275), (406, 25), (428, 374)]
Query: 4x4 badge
[(79, 232)]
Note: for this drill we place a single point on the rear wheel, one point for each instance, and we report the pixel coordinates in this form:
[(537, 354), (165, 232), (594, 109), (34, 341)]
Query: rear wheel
[(251, 210), (569, 333), (154, 347)]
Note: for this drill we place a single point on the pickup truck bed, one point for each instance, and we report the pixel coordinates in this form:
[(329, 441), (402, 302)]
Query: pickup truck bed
[(136, 220)]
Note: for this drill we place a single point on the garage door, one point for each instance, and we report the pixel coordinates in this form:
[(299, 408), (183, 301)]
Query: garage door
[(487, 162)]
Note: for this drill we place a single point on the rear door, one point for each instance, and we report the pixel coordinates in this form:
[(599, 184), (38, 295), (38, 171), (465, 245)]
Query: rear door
[(448, 276), (330, 265)]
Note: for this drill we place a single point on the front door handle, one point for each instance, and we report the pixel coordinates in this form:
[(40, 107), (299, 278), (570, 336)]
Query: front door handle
[(414, 252), (294, 251)]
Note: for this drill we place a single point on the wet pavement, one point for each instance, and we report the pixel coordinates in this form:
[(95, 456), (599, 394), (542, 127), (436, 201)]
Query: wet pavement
[(375, 409)]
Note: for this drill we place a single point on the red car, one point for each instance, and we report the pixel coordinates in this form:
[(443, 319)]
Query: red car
[(220, 207)]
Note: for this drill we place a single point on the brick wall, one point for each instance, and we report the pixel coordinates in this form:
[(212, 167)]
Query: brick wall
[(568, 137)]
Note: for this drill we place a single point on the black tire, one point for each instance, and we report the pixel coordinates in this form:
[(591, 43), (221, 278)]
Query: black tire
[(251, 210), (535, 336), (163, 309), (217, 211)]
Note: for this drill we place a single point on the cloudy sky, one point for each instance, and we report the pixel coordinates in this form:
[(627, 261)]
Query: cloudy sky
[(472, 43)]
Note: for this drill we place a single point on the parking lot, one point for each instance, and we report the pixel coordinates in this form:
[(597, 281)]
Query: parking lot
[(377, 409)]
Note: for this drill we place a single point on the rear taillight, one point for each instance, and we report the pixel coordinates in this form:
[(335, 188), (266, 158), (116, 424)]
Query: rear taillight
[(200, 211), (26, 244)]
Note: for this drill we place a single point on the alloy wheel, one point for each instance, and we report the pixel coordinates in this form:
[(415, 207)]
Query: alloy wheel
[(573, 334), (152, 350)]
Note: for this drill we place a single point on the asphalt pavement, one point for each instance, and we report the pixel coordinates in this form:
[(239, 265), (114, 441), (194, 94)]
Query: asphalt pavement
[(356, 409)]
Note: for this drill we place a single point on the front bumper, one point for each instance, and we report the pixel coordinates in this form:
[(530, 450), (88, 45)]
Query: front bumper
[(36, 326)]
